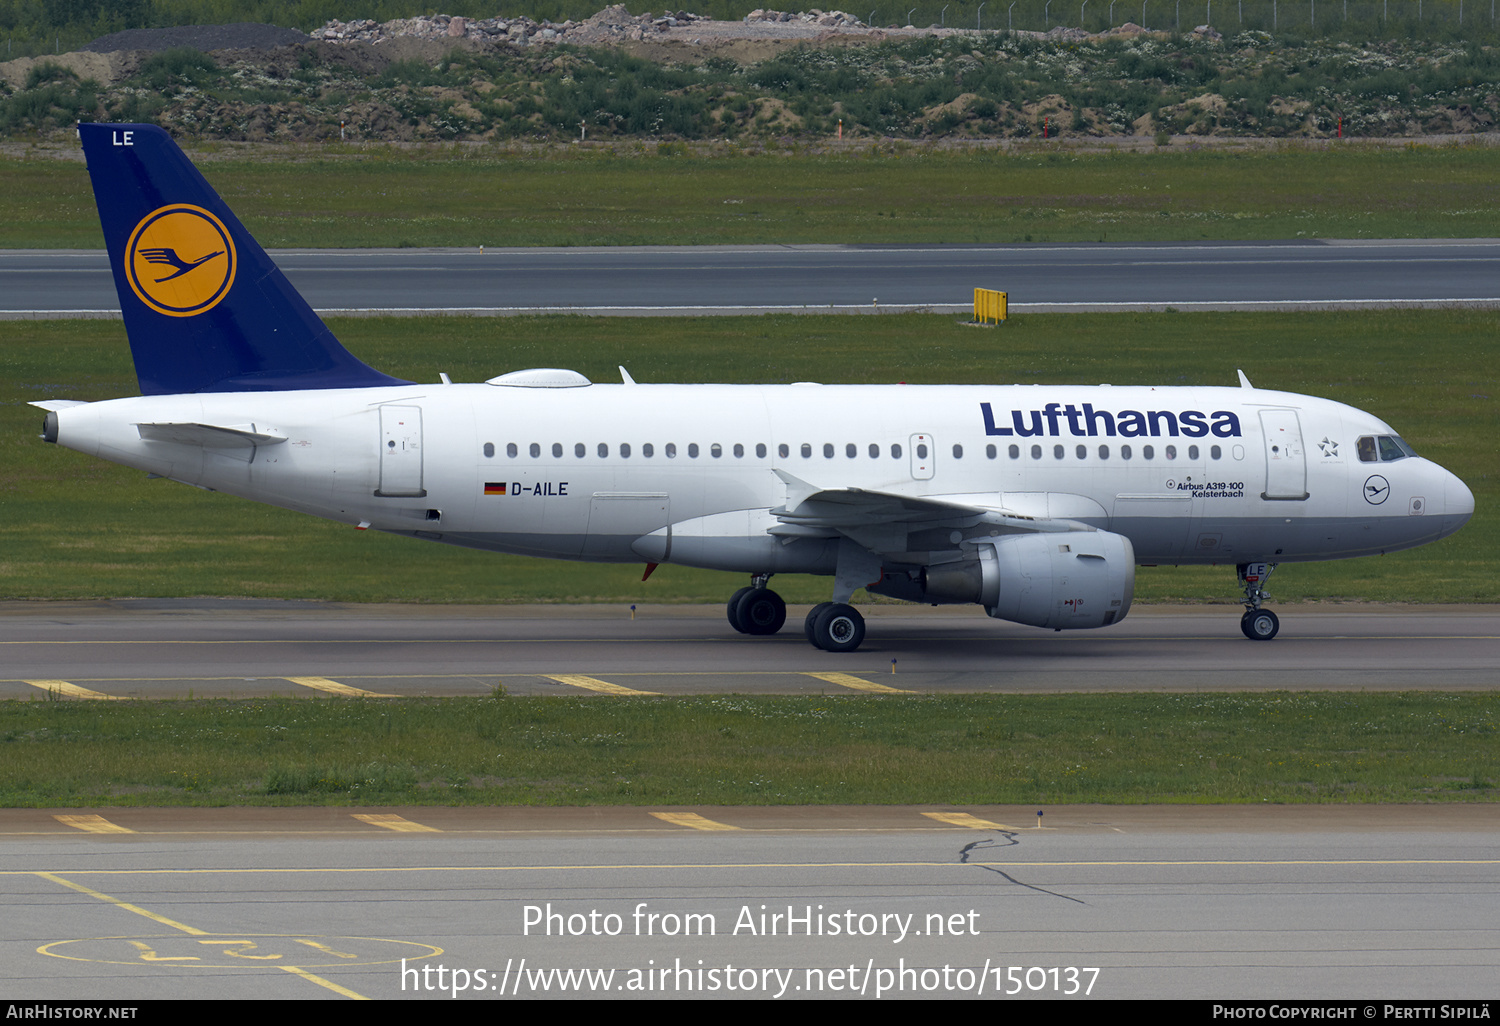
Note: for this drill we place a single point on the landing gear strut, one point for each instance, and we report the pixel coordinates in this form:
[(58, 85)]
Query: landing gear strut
[(1257, 624), (756, 609)]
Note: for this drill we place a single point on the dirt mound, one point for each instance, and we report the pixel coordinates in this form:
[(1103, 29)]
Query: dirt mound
[(241, 36)]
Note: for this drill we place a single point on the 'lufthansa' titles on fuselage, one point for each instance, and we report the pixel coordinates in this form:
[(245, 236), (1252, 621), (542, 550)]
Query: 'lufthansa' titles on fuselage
[(1087, 422)]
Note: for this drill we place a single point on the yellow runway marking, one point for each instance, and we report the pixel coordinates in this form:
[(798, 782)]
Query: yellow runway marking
[(850, 681), (147, 954), (394, 822), (127, 906), (963, 819), (333, 687), (691, 819), (602, 686), (69, 690), (345, 991), (93, 824)]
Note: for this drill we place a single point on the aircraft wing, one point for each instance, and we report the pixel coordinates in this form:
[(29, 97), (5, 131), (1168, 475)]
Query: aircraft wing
[(885, 522)]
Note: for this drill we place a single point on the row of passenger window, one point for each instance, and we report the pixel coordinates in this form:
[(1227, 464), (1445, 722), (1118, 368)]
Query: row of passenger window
[(851, 451), (648, 450)]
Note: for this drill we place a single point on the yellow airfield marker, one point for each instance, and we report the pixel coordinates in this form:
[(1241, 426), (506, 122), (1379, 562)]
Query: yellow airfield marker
[(333, 687), (394, 822), (93, 824), (963, 819), (70, 690), (604, 687), (691, 819), (848, 680)]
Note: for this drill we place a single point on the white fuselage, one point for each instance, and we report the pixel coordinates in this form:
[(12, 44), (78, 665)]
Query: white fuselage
[(694, 473)]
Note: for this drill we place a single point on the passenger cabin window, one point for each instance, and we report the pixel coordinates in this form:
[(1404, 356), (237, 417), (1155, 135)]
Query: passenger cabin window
[(580, 450), (648, 450), (671, 450), (511, 450), (625, 450), (958, 452), (556, 449), (895, 452), (489, 450)]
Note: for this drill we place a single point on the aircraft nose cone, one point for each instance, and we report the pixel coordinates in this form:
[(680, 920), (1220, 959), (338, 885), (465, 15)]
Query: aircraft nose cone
[(1458, 504)]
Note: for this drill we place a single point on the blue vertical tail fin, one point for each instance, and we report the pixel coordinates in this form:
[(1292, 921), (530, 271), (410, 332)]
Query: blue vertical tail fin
[(205, 308)]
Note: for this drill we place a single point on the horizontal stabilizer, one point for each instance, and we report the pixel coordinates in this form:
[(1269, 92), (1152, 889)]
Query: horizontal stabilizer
[(209, 436)]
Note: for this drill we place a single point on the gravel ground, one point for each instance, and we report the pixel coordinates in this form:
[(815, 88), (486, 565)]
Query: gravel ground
[(241, 36)]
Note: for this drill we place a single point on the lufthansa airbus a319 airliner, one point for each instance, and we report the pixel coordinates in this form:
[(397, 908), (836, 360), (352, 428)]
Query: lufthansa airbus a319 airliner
[(1035, 502)]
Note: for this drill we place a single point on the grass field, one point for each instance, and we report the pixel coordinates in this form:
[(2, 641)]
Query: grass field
[(733, 750), (342, 196), (75, 527)]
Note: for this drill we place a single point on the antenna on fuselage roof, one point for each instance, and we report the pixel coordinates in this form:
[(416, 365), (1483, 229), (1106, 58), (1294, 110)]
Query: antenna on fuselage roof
[(1244, 381), (625, 378)]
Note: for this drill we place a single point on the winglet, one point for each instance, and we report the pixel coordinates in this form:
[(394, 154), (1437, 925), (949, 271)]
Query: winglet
[(205, 308), (1244, 381)]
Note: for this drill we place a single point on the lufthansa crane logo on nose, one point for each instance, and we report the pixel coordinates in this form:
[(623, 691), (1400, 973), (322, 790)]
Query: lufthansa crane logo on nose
[(1377, 490), (180, 260)]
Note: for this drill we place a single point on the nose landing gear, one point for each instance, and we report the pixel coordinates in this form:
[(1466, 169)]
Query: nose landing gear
[(1257, 624)]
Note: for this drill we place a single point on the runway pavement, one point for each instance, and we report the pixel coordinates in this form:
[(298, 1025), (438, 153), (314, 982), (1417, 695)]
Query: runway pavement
[(1364, 904), (820, 278), (224, 648)]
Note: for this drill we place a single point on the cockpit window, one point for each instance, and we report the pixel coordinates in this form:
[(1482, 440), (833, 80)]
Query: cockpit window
[(1383, 449)]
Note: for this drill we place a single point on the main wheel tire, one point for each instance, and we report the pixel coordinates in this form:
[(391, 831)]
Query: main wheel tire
[(762, 611), (809, 626), (840, 628), (733, 609), (1260, 625)]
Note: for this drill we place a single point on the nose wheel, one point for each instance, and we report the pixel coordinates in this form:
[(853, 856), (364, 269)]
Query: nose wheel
[(1257, 624), (1260, 625)]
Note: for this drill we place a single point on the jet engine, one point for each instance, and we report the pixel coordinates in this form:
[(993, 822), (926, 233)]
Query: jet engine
[(1058, 580)]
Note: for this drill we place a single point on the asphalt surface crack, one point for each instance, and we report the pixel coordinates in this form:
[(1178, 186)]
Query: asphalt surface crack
[(1010, 840)]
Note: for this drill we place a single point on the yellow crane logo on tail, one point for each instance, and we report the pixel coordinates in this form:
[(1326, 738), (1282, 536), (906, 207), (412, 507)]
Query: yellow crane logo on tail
[(180, 260)]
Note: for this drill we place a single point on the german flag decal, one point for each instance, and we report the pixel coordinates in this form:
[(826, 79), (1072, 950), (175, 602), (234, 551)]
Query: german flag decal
[(495, 488)]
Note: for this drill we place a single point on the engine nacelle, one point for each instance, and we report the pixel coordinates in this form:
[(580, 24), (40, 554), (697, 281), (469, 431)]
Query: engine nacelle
[(1060, 580)]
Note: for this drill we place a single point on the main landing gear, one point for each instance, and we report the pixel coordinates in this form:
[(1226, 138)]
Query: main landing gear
[(757, 609), (1257, 624), (831, 626), (834, 627)]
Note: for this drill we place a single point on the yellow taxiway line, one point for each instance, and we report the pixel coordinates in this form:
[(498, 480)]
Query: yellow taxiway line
[(70, 690), (692, 819), (333, 687), (848, 680), (604, 687)]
